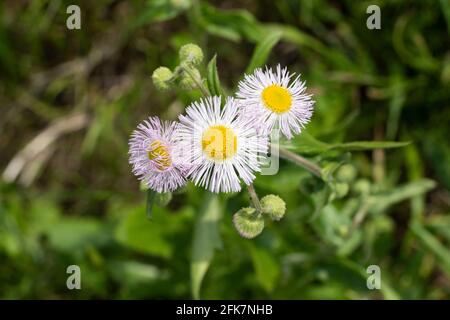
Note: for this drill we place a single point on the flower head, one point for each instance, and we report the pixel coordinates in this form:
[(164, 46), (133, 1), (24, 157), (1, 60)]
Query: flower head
[(154, 155), (161, 78), (273, 206), (248, 223), (191, 53), (221, 146), (275, 98)]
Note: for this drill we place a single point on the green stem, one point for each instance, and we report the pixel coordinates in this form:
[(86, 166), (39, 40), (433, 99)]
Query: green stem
[(254, 198), (302, 162), (197, 81)]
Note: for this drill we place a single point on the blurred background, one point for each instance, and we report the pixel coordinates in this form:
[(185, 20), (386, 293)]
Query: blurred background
[(69, 100)]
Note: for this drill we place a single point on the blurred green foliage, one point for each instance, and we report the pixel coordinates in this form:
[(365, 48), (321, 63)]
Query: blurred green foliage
[(67, 195)]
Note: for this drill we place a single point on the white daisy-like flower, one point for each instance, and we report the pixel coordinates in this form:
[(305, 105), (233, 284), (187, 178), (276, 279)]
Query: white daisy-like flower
[(221, 146), (275, 98), (154, 156)]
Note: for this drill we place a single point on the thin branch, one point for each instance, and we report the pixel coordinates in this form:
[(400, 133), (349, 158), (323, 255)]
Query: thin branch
[(197, 81), (302, 162), (254, 198)]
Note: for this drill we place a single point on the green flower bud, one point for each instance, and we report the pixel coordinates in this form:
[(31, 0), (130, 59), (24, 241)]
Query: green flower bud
[(186, 81), (362, 187), (346, 173), (163, 199), (274, 206), (247, 223), (161, 78), (341, 189), (191, 53)]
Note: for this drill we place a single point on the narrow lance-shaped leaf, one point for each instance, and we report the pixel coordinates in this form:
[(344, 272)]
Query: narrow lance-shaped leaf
[(206, 239), (156, 11), (368, 145), (262, 50), (307, 144), (212, 78), (401, 193), (433, 244)]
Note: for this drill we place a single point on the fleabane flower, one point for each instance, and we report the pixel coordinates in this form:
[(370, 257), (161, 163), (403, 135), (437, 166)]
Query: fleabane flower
[(221, 146), (275, 98), (154, 155)]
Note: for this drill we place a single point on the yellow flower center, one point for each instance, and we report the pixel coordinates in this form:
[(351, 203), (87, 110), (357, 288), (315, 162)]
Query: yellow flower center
[(219, 143), (159, 153), (277, 99)]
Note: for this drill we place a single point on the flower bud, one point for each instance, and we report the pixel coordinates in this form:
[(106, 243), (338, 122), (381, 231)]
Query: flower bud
[(186, 81), (248, 223), (161, 78), (163, 199), (274, 206), (346, 173), (362, 187), (341, 189), (191, 53)]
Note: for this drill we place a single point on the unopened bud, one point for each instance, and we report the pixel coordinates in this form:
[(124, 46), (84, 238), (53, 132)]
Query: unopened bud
[(163, 199), (346, 173), (273, 206), (191, 53), (341, 189), (161, 78), (247, 223), (362, 187)]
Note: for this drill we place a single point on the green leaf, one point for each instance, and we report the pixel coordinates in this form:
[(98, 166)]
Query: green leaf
[(386, 289), (70, 234), (206, 240), (157, 11), (307, 144), (385, 200), (266, 266), (303, 40), (151, 195), (262, 50), (151, 236), (133, 272), (212, 78), (433, 244), (229, 24), (368, 145)]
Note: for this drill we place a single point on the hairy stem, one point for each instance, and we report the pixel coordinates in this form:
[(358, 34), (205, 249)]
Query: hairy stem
[(254, 198), (197, 81), (299, 160)]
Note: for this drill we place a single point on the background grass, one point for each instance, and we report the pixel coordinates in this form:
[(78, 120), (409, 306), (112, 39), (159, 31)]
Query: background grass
[(69, 100)]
